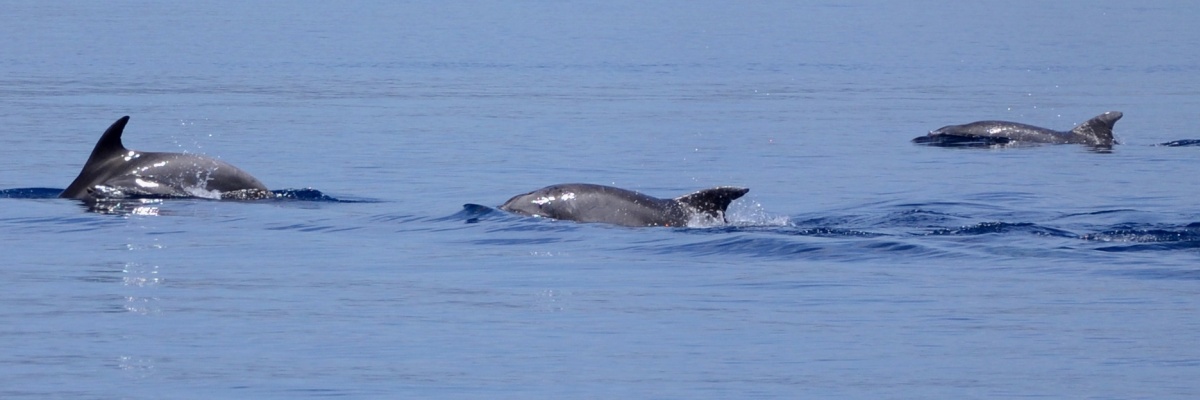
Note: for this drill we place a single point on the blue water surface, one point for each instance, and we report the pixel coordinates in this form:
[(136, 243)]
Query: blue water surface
[(858, 266)]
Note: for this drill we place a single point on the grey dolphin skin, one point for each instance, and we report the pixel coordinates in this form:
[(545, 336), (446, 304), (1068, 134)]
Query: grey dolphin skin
[(1096, 132), (585, 202), (112, 171)]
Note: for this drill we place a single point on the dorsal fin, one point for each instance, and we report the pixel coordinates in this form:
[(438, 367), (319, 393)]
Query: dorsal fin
[(110, 141), (1098, 131), (713, 202)]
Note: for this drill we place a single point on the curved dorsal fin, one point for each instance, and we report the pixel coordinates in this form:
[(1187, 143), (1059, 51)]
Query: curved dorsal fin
[(110, 141), (1098, 130), (713, 202), (109, 144)]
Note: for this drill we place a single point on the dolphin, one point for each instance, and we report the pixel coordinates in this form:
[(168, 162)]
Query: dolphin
[(1181, 143), (112, 171), (585, 202), (1096, 132)]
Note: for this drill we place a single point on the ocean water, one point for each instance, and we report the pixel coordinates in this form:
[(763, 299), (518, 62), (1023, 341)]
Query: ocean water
[(858, 266)]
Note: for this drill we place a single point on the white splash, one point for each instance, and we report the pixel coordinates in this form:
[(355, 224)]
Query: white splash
[(752, 213), (202, 192), (701, 220)]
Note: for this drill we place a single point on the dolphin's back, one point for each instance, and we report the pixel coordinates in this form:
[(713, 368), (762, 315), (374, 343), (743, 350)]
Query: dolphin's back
[(191, 171), (1096, 132), (1010, 131), (584, 202), (116, 170)]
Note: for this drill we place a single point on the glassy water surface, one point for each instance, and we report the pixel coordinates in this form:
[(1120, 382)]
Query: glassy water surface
[(858, 266)]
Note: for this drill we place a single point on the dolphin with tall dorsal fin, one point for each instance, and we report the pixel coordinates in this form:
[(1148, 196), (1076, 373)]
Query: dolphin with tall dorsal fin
[(113, 171)]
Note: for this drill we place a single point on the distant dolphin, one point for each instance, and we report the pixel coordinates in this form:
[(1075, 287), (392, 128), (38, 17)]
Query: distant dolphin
[(1181, 143), (584, 202), (1096, 132), (113, 171)]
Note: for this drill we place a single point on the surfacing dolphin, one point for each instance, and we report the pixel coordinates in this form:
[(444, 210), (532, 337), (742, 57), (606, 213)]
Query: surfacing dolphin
[(112, 171), (1096, 132), (585, 202)]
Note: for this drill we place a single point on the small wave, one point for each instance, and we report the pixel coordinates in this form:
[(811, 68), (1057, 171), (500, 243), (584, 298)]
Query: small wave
[(1145, 236), (984, 228), (30, 193), (916, 216), (397, 218), (306, 194), (1101, 212), (809, 247), (1159, 273), (153, 205), (1139, 247), (309, 227), (310, 194), (1136, 238), (814, 231), (752, 246), (470, 213)]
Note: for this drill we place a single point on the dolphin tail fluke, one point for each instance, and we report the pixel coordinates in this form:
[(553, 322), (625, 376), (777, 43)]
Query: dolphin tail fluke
[(713, 202), (1098, 130)]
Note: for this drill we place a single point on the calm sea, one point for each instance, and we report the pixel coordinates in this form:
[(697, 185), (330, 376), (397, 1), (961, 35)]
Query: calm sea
[(858, 266)]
